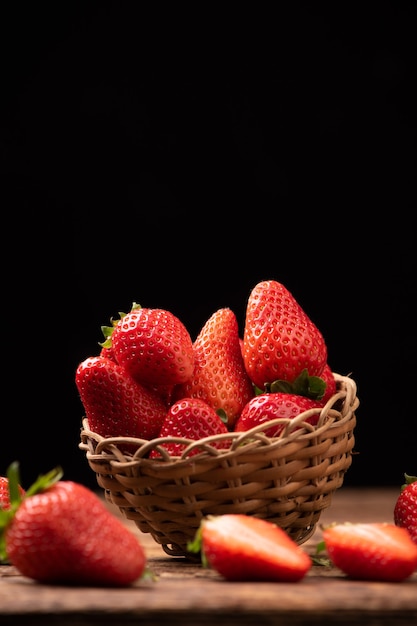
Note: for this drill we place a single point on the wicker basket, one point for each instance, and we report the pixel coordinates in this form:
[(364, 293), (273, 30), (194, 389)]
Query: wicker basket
[(287, 480)]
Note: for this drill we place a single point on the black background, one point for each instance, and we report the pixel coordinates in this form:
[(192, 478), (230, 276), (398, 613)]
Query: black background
[(176, 159)]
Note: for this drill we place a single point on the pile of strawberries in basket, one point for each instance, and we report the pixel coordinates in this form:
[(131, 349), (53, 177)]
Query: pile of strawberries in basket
[(150, 379)]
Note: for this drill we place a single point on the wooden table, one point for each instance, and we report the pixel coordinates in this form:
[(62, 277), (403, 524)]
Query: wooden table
[(184, 593)]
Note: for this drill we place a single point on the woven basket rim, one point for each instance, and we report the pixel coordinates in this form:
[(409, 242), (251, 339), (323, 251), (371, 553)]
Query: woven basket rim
[(294, 429)]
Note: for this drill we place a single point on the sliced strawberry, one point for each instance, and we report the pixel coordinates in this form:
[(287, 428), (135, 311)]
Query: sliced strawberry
[(279, 339), (272, 406), (115, 404), (191, 418), (245, 548), (371, 551), (219, 376)]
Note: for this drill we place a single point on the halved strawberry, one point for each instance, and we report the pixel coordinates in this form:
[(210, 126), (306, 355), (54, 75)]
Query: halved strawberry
[(405, 510), (279, 340), (245, 548), (115, 404), (191, 418), (271, 406), (219, 376), (371, 551)]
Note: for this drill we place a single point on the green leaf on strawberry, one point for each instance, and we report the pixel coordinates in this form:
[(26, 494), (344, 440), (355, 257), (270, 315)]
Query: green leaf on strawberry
[(304, 385), (108, 330)]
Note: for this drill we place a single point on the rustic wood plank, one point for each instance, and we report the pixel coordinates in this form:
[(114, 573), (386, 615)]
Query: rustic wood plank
[(184, 592)]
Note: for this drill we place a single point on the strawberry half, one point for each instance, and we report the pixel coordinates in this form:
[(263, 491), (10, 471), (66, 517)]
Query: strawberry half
[(115, 404), (219, 376), (271, 406), (62, 533), (153, 346), (373, 551), (245, 548), (191, 418), (279, 339), (405, 509)]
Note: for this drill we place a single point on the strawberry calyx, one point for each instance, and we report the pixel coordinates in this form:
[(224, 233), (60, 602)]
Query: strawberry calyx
[(42, 483), (304, 385), (223, 416), (195, 545), (408, 480), (108, 330)]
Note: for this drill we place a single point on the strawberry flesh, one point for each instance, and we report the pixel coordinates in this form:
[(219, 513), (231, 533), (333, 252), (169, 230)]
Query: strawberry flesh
[(246, 548), (371, 551)]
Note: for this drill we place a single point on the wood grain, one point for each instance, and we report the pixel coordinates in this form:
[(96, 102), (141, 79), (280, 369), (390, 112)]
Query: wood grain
[(184, 592)]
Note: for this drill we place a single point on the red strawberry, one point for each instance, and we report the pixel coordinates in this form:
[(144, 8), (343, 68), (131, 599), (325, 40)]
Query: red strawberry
[(371, 551), (108, 353), (4, 492), (405, 509), (245, 548), (271, 406), (116, 405), (191, 418), (62, 533), (279, 339), (219, 377), (154, 346)]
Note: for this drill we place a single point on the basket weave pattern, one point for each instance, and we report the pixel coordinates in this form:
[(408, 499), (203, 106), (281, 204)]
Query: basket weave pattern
[(288, 480)]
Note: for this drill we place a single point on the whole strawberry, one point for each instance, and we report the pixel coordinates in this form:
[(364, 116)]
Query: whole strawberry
[(273, 406), (62, 533), (279, 339), (115, 404), (191, 418), (405, 509), (153, 346), (219, 376)]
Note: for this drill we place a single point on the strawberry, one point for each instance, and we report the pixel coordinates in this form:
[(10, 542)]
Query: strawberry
[(153, 346), (62, 533), (245, 548), (191, 418), (116, 405), (4, 492), (279, 339), (405, 509), (271, 406), (371, 551), (219, 376)]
